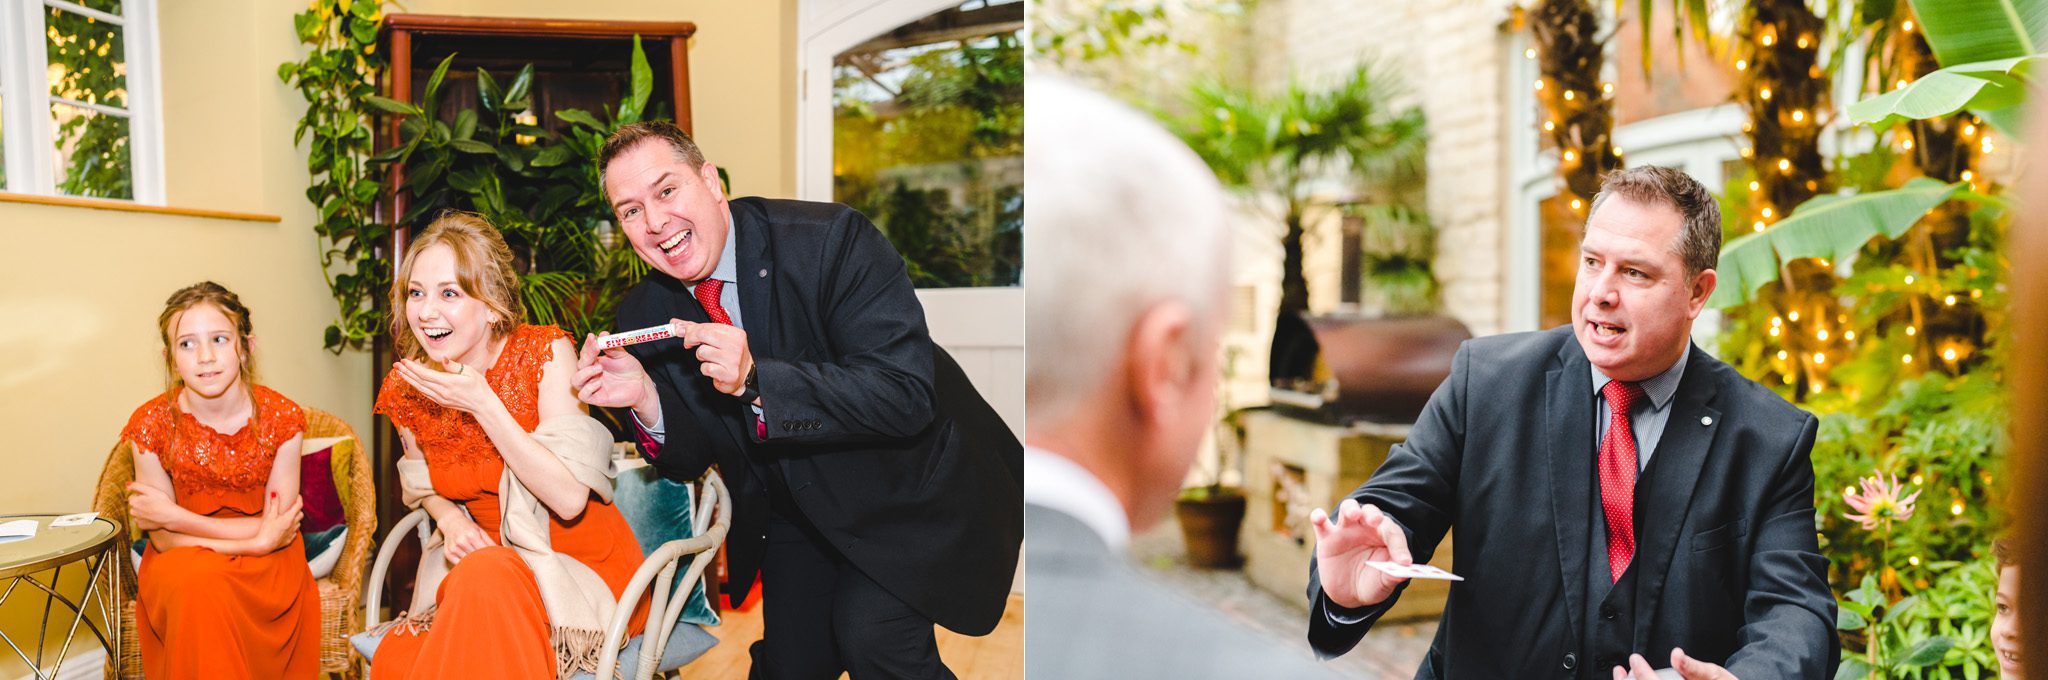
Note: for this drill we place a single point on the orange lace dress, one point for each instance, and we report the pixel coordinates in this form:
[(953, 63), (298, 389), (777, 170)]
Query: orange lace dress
[(488, 619), (202, 614)]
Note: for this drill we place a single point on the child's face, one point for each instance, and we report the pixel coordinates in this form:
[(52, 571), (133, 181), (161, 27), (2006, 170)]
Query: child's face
[(207, 350), (2005, 625)]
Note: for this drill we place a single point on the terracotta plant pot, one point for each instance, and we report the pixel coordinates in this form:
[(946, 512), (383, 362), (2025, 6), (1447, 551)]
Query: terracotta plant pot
[(1209, 526)]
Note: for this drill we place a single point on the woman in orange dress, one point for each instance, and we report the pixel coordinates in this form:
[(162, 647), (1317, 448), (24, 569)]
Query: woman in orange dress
[(223, 589), (472, 395)]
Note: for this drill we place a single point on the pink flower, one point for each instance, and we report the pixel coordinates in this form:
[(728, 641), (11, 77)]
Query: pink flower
[(1880, 502)]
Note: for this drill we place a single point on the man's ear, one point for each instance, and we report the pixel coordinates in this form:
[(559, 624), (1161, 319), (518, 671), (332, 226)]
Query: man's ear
[(1703, 285), (708, 174), (1159, 360)]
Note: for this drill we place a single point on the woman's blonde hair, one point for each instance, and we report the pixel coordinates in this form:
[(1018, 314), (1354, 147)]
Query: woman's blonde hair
[(230, 305), (483, 268)]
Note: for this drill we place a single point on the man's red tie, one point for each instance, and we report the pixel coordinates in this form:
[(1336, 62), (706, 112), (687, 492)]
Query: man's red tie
[(1618, 476), (707, 295)]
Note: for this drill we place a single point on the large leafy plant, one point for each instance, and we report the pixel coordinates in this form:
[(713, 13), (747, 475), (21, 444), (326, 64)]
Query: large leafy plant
[(335, 77), (538, 187)]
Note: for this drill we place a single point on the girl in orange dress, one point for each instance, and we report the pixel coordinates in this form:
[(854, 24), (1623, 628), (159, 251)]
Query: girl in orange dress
[(223, 590), (471, 388)]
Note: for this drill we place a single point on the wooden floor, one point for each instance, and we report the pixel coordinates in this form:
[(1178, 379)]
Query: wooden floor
[(996, 656)]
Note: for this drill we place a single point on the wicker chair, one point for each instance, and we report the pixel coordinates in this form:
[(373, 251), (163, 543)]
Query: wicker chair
[(340, 613)]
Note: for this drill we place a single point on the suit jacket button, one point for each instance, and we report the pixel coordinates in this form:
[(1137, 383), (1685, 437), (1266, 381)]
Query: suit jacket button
[(1607, 612), (1571, 661)]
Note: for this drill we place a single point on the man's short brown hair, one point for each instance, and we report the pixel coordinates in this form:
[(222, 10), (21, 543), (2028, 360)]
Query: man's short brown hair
[(1699, 241), (629, 136)]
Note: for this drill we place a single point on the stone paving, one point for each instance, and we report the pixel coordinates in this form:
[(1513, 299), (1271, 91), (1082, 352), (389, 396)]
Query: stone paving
[(1389, 652)]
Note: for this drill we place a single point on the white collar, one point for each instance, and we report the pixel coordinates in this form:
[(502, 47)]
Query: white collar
[(1059, 483)]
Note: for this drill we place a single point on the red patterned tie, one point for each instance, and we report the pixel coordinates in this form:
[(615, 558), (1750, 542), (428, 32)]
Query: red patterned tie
[(1618, 476), (707, 295)]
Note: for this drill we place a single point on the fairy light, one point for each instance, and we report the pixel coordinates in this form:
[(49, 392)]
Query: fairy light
[(1759, 226), (1976, 293), (1576, 203), (1747, 152), (1769, 40), (1754, 186), (1909, 279), (1914, 560), (1804, 41), (1949, 301), (1848, 335), (1776, 322), (1848, 491), (1820, 357), (1774, 331), (1910, 330), (1568, 94), (1916, 479), (1969, 129), (1799, 115), (1617, 152), (1539, 84), (1767, 212), (1906, 359), (1782, 355), (1908, 26), (1908, 144), (1794, 316), (1967, 175), (1741, 64), (1948, 354), (1529, 53), (1607, 88), (1784, 165), (1549, 125), (1570, 156), (1987, 144), (1765, 94), (1956, 508), (1899, 85), (1821, 335)]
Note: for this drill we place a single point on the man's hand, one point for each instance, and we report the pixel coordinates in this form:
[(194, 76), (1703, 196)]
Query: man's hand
[(1358, 534), (614, 378), (1687, 667), (723, 352)]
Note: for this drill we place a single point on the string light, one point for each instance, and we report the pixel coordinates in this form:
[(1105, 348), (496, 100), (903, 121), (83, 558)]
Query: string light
[(1908, 25), (1803, 42), (1956, 509), (1909, 279), (1976, 293), (1549, 125), (1539, 84), (1741, 64), (1911, 331), (1576, 203), (1987, 144), (1907, 359), (1916, 479), (1617, 152), (1908, 144), (1764, 93), (1967, 175), (1769, 39), (1784, 165), (1821, 335), (1754, 186), (1899, 85), (1767, 212), (1948, 354), (1799, 115), (1529, 53), (1568, 94), (1759, 226), (1847, 335), (1776, 322), (1774, 331), (1570, 156), (1782, 355), (1747, 152), (1794, 316), (1914, 560), (1950, 301), (1969, 129), (1820, 357)]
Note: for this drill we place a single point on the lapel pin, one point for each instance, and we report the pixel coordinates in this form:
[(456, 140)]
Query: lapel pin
[(764, 273), (1706, 420)]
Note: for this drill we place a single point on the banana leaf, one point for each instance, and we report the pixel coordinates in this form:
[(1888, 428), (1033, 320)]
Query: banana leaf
[(1828, 227)]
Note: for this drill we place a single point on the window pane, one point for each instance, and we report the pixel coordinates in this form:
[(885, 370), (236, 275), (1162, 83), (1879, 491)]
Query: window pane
[(87, 62), (109, 6), (928, 135), (92, 153)]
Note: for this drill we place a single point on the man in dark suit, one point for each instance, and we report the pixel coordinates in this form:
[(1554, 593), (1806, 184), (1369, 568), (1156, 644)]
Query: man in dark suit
[(1122, 361), (876, 492), (1619, 495)]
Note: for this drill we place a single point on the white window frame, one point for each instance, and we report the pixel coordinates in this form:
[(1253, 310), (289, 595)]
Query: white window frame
[(983, 328), (24, 82)]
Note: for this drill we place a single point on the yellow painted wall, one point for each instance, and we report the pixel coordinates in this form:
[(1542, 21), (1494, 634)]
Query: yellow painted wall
[(80, 288)]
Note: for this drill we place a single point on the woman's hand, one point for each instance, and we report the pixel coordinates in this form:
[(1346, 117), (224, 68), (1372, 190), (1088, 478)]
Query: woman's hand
[(461, 536), (150, 507), (460, 387), (279, 526)]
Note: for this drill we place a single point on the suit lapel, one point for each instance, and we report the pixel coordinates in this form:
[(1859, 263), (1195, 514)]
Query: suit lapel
[(755, 273), (1568, 392), (1664, 492)]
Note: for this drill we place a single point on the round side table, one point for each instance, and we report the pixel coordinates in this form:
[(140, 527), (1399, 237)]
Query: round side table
[(39, 562)]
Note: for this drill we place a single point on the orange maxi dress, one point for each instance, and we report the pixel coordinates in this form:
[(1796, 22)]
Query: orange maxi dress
[(489, 621), (202, 614)]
